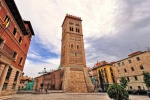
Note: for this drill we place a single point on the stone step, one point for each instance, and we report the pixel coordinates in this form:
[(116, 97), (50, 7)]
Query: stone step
[(4, 97), (25, 92), (55, 91)]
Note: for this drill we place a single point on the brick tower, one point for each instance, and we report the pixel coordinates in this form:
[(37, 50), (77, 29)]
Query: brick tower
[(73, 64)]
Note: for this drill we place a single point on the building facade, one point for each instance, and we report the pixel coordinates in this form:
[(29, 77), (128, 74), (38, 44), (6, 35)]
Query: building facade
[(26, 83), (15, 38), (104, 73), (51, 81), (73, 63), (132, 68)]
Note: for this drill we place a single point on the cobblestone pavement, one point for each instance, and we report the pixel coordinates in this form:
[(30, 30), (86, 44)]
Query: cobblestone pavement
[(70, 96)]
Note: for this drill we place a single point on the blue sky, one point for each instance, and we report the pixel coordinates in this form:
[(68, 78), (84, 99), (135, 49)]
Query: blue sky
[(112, 29)]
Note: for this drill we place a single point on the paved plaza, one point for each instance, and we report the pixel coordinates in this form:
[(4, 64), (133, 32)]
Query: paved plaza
[(69, 96)]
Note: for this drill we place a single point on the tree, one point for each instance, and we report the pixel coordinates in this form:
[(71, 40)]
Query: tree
[(147, 78), (123, 82), (117, 92), (101, 80)]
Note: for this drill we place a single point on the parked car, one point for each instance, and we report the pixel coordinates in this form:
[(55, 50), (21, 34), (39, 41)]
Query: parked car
[(131, 91), (140, 92), (100, 89), (148, 93)]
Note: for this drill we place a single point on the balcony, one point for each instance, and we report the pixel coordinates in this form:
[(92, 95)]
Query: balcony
[(6, 50)]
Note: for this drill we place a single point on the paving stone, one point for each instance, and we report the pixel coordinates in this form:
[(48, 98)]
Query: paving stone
[(70, 96)]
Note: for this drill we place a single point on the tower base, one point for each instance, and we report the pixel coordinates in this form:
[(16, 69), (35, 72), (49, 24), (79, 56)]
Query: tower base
[(77, 80)]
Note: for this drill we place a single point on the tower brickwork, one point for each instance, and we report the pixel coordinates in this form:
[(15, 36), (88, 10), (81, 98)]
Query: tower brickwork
[(73, 61)]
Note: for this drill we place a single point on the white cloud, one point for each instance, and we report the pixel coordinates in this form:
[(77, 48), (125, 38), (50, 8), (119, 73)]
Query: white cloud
[(110, 27), (32, 68)]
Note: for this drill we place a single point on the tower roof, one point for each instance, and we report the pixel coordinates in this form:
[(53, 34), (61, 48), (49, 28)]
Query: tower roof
[(72, 17)]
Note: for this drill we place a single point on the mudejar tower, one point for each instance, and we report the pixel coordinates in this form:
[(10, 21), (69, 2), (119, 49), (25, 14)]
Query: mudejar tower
[(73, 64)]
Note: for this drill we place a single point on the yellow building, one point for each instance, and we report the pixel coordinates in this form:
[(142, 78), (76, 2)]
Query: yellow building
[(104, 72)]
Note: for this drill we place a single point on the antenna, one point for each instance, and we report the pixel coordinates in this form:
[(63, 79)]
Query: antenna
[(138, 46), (131, 50), (148, 49)]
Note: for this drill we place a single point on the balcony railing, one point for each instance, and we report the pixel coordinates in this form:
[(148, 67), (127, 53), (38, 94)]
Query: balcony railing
[(5, 48)]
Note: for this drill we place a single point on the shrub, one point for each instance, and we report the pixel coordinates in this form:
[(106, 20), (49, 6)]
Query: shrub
[(117, 92)]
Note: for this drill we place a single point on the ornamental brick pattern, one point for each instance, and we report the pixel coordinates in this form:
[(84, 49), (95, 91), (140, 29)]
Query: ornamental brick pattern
[(76, 78)]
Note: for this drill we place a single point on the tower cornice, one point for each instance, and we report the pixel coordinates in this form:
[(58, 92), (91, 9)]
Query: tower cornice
[(72, 17)]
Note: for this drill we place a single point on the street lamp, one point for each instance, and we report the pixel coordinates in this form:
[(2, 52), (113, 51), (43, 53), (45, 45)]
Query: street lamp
[(44, 72)]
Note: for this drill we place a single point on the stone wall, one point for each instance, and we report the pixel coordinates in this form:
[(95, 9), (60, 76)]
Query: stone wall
[(77, 80)]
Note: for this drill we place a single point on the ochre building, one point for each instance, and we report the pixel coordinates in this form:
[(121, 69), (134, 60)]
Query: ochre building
[(132, 68), (15, 38), (104, 70), (73, 63)]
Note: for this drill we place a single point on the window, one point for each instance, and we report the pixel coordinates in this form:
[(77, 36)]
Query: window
[(141, 67), (125, 70), (135, 77), (129, 61), (15, 54), (118, 64), (128, 79), (122, 63), (71, 28), (20, 39), (8, 73), (105, 70), (130, 87), (132, 68), (106, 80), (1, 42), (13, 86), (21, 60), (4, 86), (139, 87), (16, 76), (71, 45), (138, 58), (78, 31), (102, 70), (111, 70), (14, 31), (75, 54), (77, 46)]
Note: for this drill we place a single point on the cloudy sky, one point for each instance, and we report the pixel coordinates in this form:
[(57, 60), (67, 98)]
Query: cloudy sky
[(112, 29)]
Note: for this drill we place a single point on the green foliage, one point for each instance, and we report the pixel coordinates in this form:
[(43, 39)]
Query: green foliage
[(147, 78), (123, 82), (101, 80), (117, 92)]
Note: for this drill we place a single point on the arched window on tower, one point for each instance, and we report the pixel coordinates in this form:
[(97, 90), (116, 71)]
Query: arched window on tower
[(71, 45), (70, 28), (77, 46)]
